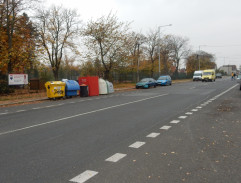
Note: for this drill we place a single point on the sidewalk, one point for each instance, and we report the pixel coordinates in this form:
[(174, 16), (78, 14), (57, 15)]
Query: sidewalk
[(38, 97)]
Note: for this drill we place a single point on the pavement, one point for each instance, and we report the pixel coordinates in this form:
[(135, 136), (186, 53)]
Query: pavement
[(39, 99)]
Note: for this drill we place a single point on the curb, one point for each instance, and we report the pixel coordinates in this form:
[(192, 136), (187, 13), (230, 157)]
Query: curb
[(23, 101), (33, 100)]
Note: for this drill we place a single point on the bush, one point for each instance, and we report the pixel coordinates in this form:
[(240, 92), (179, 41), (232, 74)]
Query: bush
[(5, 88)]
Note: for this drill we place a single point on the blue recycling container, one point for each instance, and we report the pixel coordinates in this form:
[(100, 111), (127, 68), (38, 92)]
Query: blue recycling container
[(71, 88)]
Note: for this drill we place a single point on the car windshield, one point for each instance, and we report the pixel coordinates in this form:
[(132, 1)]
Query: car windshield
[(162, 78), (198, 74), (144, 80), (207, 73)]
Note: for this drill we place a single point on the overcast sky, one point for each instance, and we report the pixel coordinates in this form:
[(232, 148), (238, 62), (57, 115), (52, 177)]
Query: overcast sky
[(214, 23)]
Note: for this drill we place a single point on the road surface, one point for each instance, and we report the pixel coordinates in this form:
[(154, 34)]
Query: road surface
[(187, 132)]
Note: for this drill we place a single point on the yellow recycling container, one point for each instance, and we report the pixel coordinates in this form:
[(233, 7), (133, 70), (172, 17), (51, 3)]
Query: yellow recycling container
[(55, 89)]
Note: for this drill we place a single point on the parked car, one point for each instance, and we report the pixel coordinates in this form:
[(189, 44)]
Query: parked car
[(146, 83), (239, 80), (164, 80), (218, 75)]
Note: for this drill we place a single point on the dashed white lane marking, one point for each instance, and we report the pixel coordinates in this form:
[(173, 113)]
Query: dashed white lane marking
[(81, 178), (182, 117), (20, 110), (203, 104), (199, 107), (175, 121), (137, 144), (72, 102), (116, 157), (82, 114), (3, 113), (153, 135), (50, 106), (194, 110), (189, 113), (165, 127), (37, 108)]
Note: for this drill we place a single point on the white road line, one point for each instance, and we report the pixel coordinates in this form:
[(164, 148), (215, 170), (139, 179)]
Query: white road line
[(182, 117), (194, 110), (189, 113), (82, 114), (165, 127), (20, 110), (137, 144), (3, 113), (175, 121), (199, 107), (50, 106), (84, 176), (153, 135), (116, 157), (37, 108)]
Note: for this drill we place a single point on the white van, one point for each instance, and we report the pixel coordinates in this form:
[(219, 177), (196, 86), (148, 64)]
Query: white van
[(197, 76)]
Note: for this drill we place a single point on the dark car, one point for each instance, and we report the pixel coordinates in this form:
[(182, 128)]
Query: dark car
[(164, 80), (146, 83), (218, 75)]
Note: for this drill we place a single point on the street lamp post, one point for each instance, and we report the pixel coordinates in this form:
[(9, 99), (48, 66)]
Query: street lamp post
[(200, 55), (159, 39)]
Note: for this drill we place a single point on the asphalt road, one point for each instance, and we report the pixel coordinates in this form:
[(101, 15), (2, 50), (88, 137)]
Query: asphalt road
[(187, 132)]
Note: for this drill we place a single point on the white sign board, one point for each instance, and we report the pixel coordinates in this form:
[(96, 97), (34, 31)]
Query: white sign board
[(17, 79)]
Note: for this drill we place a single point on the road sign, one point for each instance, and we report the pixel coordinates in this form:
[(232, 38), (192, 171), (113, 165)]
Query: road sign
[(17, 79)]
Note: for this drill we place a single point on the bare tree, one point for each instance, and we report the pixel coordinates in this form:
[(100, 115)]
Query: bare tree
[(136, 42), (57, 28), (106, 39), (151, 48), (180, 50), (165, 52)]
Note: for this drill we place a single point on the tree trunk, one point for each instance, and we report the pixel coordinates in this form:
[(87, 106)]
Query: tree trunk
[(56, 74), (107, 75)]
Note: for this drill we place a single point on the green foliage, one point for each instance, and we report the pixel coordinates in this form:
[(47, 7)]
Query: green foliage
[(5, 88)]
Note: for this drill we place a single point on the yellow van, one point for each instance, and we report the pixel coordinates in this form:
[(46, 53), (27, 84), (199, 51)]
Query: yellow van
[(209, 75)]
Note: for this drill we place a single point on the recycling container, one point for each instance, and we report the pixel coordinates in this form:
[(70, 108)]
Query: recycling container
[(102, 87), (55, 89), (71, 88), (110, 87), (84, 90), (92, 82)]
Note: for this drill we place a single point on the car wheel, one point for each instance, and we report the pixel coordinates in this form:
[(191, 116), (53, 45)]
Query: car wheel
[(137, 87), (170, 83), (154, 86)]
